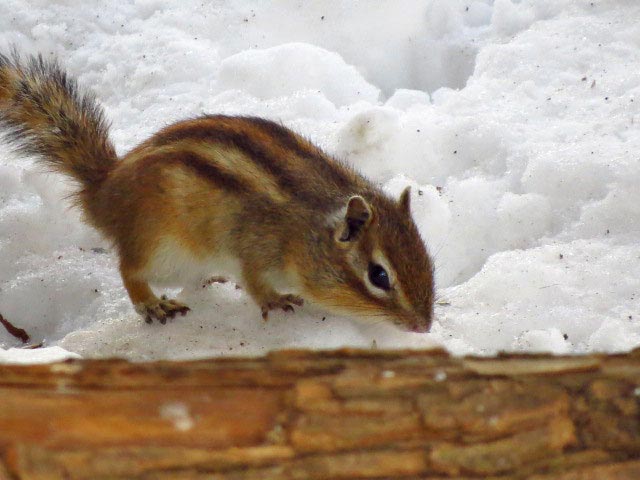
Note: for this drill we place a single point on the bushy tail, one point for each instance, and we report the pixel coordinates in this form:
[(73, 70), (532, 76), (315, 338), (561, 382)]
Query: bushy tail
[(43, 113)]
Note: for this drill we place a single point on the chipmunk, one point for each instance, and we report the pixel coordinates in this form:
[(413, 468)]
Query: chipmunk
[(227, 195)]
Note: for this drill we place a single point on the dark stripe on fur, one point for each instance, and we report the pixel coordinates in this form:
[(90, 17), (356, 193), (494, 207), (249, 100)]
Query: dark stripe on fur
[(236, 132), (213, 131), (197, 164), (313, 156), (211, 172)]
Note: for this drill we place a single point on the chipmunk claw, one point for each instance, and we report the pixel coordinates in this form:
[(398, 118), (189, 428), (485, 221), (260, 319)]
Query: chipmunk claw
[(162, 309), (284, 302), (287, 308), (296, 300)]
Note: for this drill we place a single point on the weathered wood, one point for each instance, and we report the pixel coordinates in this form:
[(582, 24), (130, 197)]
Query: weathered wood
[(324, 416)]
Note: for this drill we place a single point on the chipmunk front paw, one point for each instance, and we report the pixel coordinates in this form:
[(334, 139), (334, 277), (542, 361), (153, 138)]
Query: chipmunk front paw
[(285, 302), (161, 309)]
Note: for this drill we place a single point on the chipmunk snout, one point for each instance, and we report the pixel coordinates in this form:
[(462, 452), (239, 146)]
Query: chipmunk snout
[(416, 324), (420, 327)]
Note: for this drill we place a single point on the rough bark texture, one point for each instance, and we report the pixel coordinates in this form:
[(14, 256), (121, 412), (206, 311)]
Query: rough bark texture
[(324, 415)]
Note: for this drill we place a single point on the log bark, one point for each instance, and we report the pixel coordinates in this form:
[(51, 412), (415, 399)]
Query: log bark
[(302, 415)]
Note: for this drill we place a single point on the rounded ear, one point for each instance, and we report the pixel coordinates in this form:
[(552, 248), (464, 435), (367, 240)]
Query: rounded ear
[(356, 219), (405, 200)]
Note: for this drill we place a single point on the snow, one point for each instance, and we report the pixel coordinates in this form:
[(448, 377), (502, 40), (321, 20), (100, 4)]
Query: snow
[(21, 356), (178, 414), (294, 67), (516, 124)]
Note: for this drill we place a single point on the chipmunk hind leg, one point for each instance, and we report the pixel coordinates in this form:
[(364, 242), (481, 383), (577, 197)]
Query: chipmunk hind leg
[(145, 301)]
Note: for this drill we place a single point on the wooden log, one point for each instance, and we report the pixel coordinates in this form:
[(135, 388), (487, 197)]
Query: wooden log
[(302, 415)]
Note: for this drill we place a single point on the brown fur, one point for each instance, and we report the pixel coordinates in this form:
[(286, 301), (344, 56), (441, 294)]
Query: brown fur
[(220, 188)]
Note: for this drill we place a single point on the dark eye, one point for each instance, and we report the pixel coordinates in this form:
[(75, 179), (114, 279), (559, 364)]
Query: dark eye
[(379, 276)]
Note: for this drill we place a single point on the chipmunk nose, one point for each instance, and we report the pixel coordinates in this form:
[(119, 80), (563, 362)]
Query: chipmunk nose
[(414, 323), (420, 326)]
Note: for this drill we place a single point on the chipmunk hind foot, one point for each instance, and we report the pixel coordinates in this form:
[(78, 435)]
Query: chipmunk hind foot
[(146, 303), (161, 309)]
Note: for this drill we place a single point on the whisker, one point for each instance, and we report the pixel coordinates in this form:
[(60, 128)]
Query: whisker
[(443, 242)]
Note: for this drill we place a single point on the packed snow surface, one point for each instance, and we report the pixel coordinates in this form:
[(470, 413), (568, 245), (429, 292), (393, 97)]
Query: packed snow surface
[(516, 123)]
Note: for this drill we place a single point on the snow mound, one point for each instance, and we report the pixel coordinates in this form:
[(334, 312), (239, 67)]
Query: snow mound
[(277, 71)]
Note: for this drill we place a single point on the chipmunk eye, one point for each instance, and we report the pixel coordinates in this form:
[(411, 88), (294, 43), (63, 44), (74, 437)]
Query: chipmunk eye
[(379, 276)]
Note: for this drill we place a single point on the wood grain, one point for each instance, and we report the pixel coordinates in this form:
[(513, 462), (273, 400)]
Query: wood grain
[(347, 414)]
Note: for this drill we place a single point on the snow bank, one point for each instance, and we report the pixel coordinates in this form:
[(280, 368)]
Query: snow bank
[(516, 124)]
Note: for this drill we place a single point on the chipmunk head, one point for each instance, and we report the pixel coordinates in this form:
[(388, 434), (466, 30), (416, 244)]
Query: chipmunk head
[(384, 268)]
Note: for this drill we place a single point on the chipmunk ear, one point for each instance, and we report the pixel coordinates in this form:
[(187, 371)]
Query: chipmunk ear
[(405, 200), (356, 218)]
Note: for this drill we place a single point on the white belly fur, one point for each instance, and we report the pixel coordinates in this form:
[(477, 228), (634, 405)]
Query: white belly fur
[(173, 266)]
